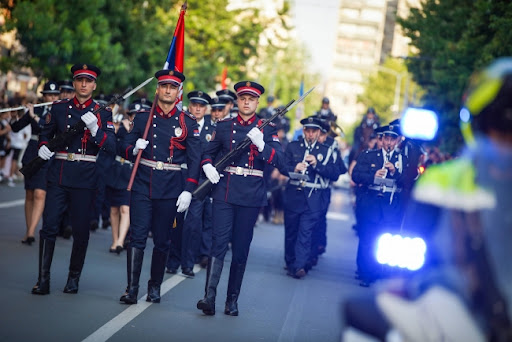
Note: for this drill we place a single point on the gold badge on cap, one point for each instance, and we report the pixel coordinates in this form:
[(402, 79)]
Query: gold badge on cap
[(248, 84), (310, 120), (84, 66), (208, 137), (171, 73), (319, 157), (178, 131)]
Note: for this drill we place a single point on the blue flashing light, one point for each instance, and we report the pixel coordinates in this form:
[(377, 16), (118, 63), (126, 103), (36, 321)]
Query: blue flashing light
[(399, 251), (417, 123), (465, 115)]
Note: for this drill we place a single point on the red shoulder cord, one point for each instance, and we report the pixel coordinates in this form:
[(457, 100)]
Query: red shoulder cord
[(177, 141), (87, 133)]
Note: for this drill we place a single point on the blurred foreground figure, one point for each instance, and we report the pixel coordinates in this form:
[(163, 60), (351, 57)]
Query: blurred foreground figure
[(463, 209)]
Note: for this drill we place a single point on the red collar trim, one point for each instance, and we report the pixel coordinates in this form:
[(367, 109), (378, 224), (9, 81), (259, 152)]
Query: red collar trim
[(82, 105), (245, 123), (168, 115)]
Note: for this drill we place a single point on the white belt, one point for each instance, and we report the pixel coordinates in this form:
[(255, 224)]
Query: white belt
[(308, 184), (242, 171), (75, 157), (384, 189), (34, 137), (123, 161), (158, 165)]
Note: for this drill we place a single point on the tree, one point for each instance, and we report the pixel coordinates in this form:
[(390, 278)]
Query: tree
[(454, 38)]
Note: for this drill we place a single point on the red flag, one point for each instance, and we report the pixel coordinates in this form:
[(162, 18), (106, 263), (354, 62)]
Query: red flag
[(176, 53), (223, 79)]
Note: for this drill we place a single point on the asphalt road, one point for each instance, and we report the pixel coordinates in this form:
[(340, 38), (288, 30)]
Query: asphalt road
[(273, 306)]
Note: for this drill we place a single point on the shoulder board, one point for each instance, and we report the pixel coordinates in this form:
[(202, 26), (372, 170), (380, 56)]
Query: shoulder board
[(225, 119), (61, 101), (189, 115), (453, 185)]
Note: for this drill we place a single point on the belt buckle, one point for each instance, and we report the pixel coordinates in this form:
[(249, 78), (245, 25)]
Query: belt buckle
[(239, 170), (159, 165), (71, 157), (122, 160)]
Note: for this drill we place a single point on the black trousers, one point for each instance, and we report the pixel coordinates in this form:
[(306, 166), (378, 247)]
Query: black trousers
[(76, 202), (236, 224)]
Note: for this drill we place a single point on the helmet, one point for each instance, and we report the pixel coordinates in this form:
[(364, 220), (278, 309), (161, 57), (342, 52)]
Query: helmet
[(488, 101)]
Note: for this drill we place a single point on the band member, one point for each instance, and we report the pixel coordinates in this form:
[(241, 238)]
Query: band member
[(161, 187), (72, 176), (239, 194)]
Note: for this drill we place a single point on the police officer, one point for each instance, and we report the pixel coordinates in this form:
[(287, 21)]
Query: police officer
[(319, 237), (35, 186), (239, 194), (160, 188), (380, 199), (199, 212), (67, 91), (72, 176), (218, 111), (304, 202), (229, 97)]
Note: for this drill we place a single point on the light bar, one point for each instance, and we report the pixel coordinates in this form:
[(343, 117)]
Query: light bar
[(399, 251), (417, 123)]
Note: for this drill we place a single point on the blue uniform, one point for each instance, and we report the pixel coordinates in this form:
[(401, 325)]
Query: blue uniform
[(73, 175), (319, 239), (241, 191), (197, 225), (38, 180), (379, 207), (160, 179), (305, 202)]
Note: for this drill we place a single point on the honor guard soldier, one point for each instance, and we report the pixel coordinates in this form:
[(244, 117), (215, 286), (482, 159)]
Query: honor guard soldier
[(304, 201), (230, 98), (199, 212), (72, 176), (161, 187), (380, 173), (239, 194), (35, 186)]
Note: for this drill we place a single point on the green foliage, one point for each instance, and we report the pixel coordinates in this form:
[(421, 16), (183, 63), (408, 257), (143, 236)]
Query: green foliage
[(454, 38)]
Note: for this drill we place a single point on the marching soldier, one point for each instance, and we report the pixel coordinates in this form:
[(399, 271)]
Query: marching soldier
[(199, 212), (35, 186), (304, 199), (161, 187), (239, 194), (380, 172), (72, 176)]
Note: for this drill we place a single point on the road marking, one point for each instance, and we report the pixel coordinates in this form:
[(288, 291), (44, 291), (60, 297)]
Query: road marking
[(11, 204), (295, 313), (337, 216), (132, 311)]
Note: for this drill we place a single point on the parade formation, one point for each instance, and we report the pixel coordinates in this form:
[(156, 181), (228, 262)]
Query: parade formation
[(193, 174)]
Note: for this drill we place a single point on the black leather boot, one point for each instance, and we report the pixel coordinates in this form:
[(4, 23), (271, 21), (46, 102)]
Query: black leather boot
[(158, 262), (46, 248), (134, 258), (236, 274), (213, 272), (76, 264)]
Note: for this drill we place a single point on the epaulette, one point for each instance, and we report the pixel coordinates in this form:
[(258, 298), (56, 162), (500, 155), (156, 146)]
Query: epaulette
[(226, 119), (61, 101), (189, 115)]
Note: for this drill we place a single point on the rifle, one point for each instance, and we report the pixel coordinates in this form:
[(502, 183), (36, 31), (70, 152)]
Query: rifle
[(62, 139), (203, 189)]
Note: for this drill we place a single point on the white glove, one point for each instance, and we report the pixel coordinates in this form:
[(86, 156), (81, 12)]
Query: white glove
[(140, 144), (211, 173), (183, 201), (256, 137), (91, 121), (45, 153)]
